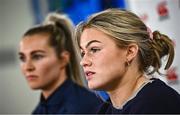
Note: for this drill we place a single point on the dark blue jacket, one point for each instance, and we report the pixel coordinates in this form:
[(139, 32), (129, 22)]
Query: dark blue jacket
[(155, 97), (69, 98)]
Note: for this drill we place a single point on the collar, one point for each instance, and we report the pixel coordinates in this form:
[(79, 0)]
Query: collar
[(59, 95)]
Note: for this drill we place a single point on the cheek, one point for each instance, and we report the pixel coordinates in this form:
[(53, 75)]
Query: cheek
[(49, 67), (117, 64), (22, 67), (112, 62), (108, 58)]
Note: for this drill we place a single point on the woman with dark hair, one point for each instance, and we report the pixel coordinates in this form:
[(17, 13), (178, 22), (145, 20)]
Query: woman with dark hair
[(49, 63)]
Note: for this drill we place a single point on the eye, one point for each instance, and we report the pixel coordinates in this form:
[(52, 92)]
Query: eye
[(22, 58), (37, 56), (82, 53), (94, 50)]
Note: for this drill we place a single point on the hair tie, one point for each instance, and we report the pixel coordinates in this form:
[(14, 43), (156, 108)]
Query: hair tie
[(150, 33)]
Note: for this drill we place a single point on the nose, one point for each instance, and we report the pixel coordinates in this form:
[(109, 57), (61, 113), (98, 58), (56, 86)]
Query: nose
[(28, 66), (85, 61)]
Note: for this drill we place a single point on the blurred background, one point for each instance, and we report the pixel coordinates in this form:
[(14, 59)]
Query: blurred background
[(16, 16)]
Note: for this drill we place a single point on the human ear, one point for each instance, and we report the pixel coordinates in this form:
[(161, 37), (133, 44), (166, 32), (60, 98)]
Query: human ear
[(65, 57), (132, 51)]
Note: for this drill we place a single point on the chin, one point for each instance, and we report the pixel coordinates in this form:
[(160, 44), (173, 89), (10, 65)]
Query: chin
[(34, 86), (94, 86)]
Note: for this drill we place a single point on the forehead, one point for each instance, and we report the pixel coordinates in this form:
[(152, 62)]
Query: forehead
[(34, 42), (90, 34)]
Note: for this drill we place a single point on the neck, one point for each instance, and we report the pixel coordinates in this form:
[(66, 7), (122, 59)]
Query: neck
[(127, 87), (54, 85)]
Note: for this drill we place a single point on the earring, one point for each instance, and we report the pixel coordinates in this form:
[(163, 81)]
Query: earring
[(127, 63)]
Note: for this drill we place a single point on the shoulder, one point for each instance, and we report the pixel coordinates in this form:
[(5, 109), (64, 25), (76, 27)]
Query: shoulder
[(85, 95), (83, 91), (105, 108), (158, 89), (82, 100), (156, 97)]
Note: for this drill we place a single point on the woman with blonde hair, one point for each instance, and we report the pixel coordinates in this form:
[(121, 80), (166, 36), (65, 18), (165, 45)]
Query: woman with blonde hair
[(49, 63), (120, 55)]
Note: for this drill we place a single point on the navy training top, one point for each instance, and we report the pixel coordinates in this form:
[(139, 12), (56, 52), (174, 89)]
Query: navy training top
[(155, 97), (69, 98)]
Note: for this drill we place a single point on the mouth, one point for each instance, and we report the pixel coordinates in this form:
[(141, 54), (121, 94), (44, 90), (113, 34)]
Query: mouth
[(31, 77), (89, 75)]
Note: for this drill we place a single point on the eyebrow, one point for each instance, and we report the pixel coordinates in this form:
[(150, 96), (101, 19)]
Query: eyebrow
[(33, 52), (89, 43)]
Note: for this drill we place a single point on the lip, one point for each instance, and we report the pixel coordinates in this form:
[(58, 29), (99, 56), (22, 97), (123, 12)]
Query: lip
[(31, 77), (89, 75)]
